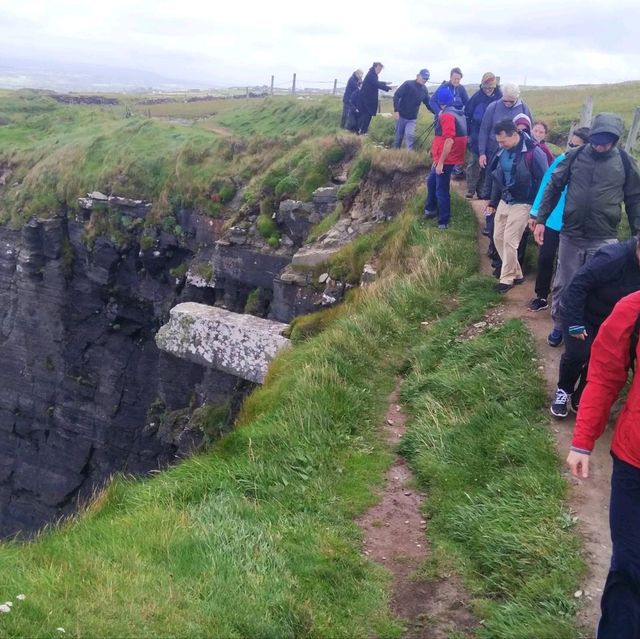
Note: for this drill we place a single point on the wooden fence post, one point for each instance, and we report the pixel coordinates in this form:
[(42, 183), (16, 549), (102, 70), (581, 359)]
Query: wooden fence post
[(632, 138), (335, 86), (273, 77), (247, 93), (293, 87), (587, 112)]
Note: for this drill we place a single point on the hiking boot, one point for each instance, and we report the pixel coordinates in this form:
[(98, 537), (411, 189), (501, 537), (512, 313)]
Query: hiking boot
[(429, 214), (538, 304), (503, 288), (554, 338), (469, 195), (518, 280), (443, 227), (560, 406)]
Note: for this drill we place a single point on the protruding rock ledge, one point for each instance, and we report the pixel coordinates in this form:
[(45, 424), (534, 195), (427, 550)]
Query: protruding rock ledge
[(242, 345)]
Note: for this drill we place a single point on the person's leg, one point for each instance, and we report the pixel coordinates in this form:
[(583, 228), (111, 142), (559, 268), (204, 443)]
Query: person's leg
[(400, 130), (522, 246), (574, 359), (363, 123), (546, 261), (443, 195), (472, 170), (410, 132), (499, 224), (431, 203), (516, 222), (345, 116), (570, 259), (620, 603)]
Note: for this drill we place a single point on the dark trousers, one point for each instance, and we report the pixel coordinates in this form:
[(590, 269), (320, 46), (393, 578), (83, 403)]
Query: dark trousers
[(621, 597), (547, 262), (364, 119), (345, 115), (574, 361), (438, 194)]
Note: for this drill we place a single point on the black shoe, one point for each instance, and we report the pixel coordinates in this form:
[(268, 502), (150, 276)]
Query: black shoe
[(554, 338), (469, 195), (503, 288), (496, 272), (429, 215), (560, 405), (518, 280), (538, 304)]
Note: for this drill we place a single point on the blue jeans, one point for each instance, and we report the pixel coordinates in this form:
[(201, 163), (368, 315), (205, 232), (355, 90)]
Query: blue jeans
[(621, 597), (404, 128), (438, 195)]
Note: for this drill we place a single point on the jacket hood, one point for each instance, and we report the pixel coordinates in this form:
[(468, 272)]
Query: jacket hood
[(607, 123)]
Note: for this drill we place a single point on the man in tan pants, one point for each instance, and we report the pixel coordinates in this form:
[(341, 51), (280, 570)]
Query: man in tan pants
[(516, 172)]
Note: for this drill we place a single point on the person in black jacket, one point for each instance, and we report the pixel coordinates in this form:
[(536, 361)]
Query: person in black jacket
[(368, 96), (406, 102), (516, 172), (353, 86), (611, 274)]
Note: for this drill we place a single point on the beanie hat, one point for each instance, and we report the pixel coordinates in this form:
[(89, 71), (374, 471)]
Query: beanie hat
[(444, 95), (424, 74), (511, 91), (489, 81), (522, 118)]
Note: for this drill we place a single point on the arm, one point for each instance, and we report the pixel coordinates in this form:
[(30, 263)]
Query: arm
[(559, 179), (601, 269), (426, 100), (464, 96), (632, 196), (383, 86), (485, 127), (398, 95), (545, 180), (608, 370)]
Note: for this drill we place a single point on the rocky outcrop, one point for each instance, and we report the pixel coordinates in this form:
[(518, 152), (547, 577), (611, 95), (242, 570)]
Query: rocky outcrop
[(241, 345)]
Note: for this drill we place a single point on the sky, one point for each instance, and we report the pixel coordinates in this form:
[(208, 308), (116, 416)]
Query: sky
[(244, 42)]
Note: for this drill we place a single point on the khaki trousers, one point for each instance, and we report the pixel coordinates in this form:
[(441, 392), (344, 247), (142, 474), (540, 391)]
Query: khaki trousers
[(509, 225)]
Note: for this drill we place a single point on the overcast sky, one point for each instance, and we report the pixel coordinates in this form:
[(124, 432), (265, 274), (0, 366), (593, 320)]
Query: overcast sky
[(240, 42)]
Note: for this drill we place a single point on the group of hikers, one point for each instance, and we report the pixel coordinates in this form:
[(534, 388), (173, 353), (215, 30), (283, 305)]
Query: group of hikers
[(572, 205)]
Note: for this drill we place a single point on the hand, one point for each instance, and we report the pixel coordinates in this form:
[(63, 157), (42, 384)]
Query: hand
[(396, 115), (489, 210), (579, 464), (439, 168), (482, 161), (532, 224), (538, 234), (581, 336)]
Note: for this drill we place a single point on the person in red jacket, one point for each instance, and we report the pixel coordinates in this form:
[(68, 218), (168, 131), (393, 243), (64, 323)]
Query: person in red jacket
[(612, 355), (448, 149)]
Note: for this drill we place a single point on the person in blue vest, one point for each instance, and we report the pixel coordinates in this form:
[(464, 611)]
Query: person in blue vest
[(406, 103), (448, 149), (353, 86), (368, 96), (488, 92)]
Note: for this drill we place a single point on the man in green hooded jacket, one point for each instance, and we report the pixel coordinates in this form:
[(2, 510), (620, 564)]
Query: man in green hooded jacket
[(599, 177)]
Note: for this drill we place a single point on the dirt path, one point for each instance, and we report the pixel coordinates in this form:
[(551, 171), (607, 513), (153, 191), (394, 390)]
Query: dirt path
[(588, 500), (394, 536)]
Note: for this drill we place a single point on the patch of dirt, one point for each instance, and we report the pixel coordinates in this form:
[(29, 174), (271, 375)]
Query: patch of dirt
[(494, 317), (588, 500), (395, 537)]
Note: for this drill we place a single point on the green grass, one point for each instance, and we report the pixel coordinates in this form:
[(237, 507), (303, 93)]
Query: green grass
[(481, 450), (255, 538)]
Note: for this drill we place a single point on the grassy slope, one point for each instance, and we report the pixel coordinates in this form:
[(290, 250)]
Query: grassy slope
[(256, 538)]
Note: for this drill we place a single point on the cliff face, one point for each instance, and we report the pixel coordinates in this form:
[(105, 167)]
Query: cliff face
[(83, 389)]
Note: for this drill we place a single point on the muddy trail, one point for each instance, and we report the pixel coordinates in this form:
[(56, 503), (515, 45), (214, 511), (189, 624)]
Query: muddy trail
[(588, 500), (395, 533), (394, 536)]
